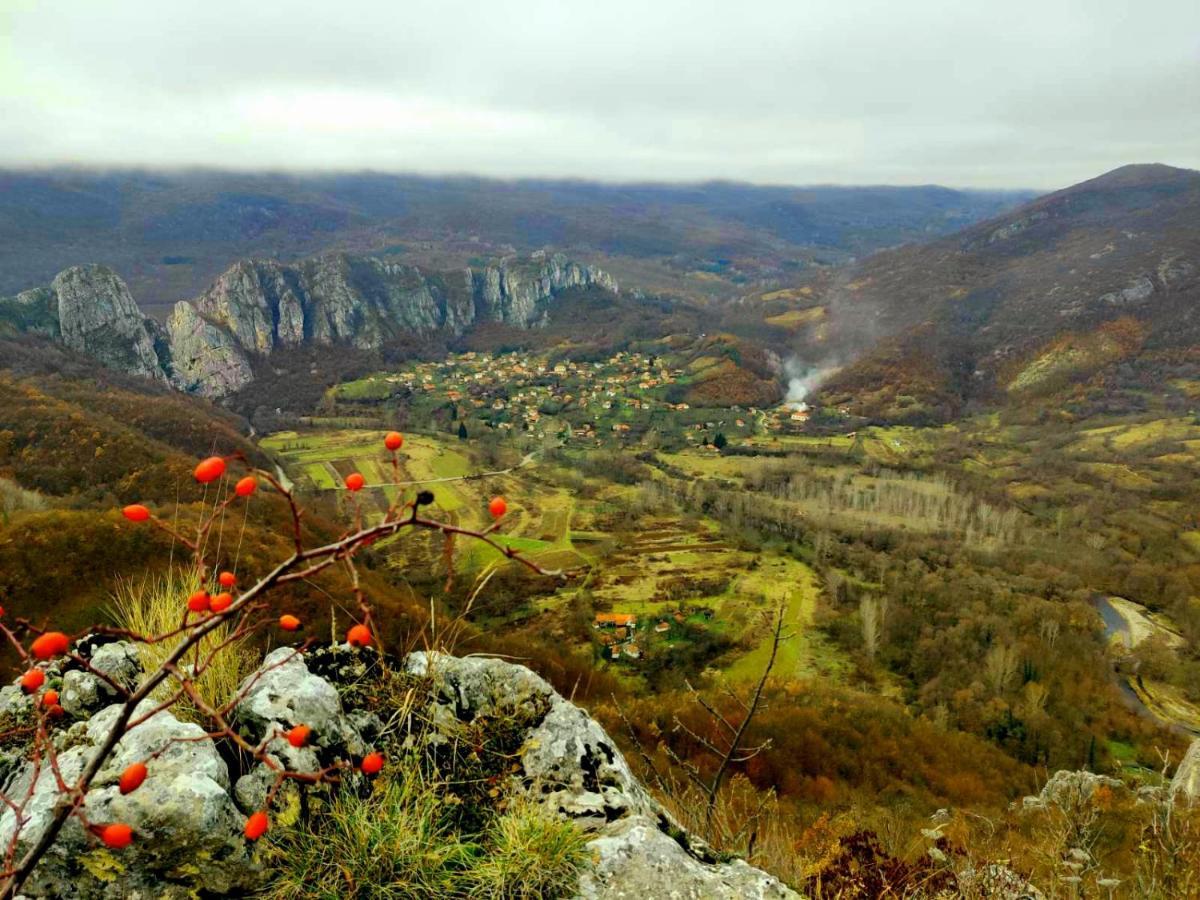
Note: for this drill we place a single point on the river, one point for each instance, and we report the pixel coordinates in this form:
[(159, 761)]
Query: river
[(1117, 625)]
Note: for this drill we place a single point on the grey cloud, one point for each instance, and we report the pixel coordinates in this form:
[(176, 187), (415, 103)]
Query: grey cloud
[(1017, 94)]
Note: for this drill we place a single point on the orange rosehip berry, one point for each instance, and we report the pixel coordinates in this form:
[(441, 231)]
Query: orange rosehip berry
[(135, 512), (498, 507), (221, 602), (132, 777), (246, 486), (372, 763), (288, 622), (394, 441), (227, 579), (50, 644), (355, 482), (358, 636), (210, 469), (117, 836), (299, 735), (50, 698), (32, 680), (199, 602), (256, 826)]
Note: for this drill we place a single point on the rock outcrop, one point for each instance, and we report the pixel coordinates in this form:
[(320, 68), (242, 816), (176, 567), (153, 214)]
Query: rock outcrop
[(260, 306), (1185, 786), (89, 309), (188, 815), (571, 767), (205, 359)]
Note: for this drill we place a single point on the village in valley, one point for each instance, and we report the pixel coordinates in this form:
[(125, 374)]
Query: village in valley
[(623, 397)]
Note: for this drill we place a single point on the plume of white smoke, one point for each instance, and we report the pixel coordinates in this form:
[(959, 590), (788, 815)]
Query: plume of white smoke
[(803, 379)]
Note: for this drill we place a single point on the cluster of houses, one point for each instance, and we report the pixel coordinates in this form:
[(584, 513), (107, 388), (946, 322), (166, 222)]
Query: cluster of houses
[(617, 633), (527, 392), (520, 386)]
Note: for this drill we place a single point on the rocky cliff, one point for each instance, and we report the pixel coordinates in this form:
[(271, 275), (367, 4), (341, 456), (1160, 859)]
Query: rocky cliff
[(259, 306), (90, 309), (188, 815)]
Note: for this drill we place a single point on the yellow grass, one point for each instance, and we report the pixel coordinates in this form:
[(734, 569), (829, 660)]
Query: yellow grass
[(794, 318), (155, 605)]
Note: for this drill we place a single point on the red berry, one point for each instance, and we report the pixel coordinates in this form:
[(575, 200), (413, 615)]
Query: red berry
[(210, 469), (132, 777), (227, 579), (358, 636), (56, 711), (372, 763), (32, 680), (135, 512), (1, 612), (199, 602), (288, 622), (246, 486), (498, 507), (298, 736), (52, 643), (394, 441), (50, 698), (355, 482), (117, 836), (256, 826), (221, 602)]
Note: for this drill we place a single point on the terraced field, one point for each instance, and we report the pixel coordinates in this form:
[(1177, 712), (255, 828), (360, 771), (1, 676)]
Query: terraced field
[(538, 522), (675, 570)]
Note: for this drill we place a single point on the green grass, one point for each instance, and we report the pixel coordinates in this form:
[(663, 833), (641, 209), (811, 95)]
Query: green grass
[(401, 841), (805, 652)]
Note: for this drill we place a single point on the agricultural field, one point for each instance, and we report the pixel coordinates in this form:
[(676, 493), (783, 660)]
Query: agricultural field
[(884, 545), (676, 573)]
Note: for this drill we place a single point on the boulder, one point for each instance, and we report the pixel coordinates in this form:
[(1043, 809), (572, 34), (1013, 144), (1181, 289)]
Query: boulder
[(84, 692), (187, 830), (281, 694), (996, 882), (635, 859), (570, 767), (1068, 789)]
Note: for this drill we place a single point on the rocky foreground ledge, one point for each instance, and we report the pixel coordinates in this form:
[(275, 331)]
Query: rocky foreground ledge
[(190, 812)]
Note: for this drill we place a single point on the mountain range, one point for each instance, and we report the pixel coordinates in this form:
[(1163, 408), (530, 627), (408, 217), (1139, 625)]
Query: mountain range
[(171, 233), (1058, 290)]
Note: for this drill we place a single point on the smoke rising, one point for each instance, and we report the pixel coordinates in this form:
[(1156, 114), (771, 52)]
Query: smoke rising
[(803, 379)]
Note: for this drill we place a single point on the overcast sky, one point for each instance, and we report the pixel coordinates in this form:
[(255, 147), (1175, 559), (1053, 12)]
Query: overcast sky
[(960, 92)]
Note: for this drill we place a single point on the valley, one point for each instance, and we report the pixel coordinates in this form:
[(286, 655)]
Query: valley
[(982, 555)]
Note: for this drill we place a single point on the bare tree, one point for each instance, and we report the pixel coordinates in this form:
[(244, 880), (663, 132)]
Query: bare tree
[(730, 746)]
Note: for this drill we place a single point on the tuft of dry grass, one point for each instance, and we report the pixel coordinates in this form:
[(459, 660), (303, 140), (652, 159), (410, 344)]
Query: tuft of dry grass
[(155, 604)]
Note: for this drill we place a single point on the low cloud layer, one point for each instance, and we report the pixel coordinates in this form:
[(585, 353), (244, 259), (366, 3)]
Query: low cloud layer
[(1020, 94)]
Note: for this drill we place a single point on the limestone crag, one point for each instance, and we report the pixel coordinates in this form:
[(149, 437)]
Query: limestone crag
[(571, 768), (366, 301), (260, 306), (205, 358), (89, 309)]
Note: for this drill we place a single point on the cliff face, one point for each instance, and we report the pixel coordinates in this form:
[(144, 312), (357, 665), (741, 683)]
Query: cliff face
[(259, 306), (366, 301), (90, 309)]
